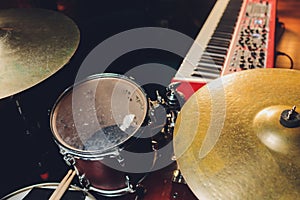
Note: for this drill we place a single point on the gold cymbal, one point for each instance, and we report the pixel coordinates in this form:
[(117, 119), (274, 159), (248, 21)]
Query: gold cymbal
[(34, 44), (229, 142)]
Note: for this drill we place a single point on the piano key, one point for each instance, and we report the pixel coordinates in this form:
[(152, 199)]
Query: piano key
[(222, 35), (220, 43), (216, 50), (211, 61), (208, 66), (205, 75), (213, 56), (206, 72), (216, 47)]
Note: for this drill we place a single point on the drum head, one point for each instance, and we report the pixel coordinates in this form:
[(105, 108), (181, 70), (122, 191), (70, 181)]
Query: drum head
[(45, 190), (99, 113)]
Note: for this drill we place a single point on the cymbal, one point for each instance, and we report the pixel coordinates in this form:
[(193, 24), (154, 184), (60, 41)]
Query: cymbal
[(34, 44), (229, 141)]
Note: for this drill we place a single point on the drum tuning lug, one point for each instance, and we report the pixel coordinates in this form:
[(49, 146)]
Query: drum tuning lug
[(84, 182), (70, 160), (131, 188)]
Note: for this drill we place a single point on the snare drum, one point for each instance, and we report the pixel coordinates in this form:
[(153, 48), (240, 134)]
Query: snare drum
[(43, 191), (97, 123)]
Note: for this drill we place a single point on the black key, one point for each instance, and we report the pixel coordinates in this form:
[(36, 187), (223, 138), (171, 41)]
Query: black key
[(220, 43), (208, 68), (211, 61), (202, 75), (215, 50)]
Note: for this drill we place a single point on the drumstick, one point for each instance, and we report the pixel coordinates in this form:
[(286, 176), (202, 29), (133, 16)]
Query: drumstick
[(60, 185), (63, 185)]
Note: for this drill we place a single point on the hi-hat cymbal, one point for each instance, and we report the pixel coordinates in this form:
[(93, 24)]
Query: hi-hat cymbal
[(34, 44), (229, 142)]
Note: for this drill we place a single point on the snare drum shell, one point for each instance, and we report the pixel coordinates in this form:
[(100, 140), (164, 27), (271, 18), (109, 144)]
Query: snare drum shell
[(113, 89)]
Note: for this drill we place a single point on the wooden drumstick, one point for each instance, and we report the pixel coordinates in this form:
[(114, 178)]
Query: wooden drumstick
[(63, 185)]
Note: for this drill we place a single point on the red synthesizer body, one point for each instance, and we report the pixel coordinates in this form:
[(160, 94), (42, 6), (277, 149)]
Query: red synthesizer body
[(237, 35)]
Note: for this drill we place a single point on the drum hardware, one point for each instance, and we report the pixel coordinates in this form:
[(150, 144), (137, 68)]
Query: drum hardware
[(255, 155), (290, 118), (69, 159), (70, 155), (175, 99), (177, 177), (152, 121), (130, 188), (172, 103), (85, 183)]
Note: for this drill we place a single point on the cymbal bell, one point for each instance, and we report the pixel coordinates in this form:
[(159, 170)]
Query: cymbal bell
[(229, 141), (34, 44)]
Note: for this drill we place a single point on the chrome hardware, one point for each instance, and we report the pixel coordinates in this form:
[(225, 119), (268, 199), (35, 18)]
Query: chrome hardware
[(174, 98), (69, 159), (115, 193), (84, 182), (177, 177)]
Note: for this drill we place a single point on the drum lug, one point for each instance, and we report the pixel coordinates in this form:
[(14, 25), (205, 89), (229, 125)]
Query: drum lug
[(84, 182), (69, 159), (129, 185)]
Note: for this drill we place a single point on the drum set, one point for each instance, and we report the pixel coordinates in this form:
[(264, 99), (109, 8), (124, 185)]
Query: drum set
[(105, 127), (233, 141)]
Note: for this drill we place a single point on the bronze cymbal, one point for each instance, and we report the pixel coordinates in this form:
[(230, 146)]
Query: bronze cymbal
[(34, 44), (229, 142)]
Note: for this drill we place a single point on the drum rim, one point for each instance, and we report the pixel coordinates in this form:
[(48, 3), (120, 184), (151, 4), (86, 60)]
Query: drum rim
[(94, 153), (42, 185)]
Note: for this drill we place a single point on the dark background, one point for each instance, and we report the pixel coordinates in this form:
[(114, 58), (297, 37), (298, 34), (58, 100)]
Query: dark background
[(27, 148)]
